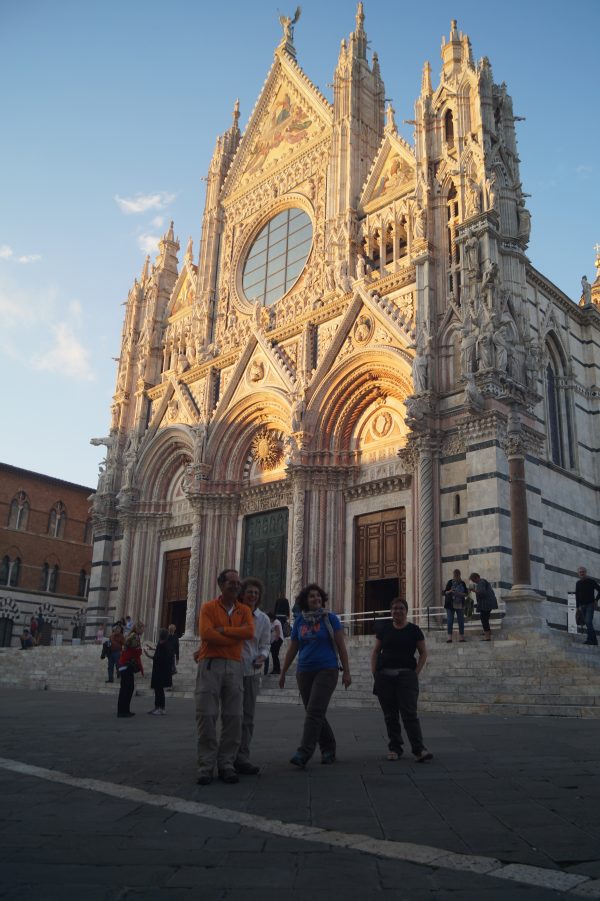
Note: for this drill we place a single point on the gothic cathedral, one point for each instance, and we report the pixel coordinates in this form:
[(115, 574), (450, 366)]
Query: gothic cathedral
[(361, 379)]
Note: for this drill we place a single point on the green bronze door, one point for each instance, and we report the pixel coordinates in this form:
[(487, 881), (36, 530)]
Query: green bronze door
[(265, 552)]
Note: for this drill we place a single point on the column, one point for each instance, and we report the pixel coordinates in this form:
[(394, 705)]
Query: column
[(124, 567), (298, 505), (192, 592), (426, 526)]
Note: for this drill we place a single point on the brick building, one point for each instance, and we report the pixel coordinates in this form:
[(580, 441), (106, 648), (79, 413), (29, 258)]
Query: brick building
[(45, 553)]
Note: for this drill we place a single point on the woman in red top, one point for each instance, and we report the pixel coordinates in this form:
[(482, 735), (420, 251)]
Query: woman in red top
[(130, 663)]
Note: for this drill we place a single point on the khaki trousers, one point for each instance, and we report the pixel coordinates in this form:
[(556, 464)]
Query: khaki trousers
[(219, 684), (251, 687)]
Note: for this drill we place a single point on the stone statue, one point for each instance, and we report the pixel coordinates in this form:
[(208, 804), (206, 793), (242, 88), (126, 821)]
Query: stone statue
[(420, 365), (472, 199), (420, 222), (298, 410), (586, 290), (472, 253), (524, 221), (468, 345), (288, 23), (329, 278), (485, 345), (199, 431), (501, 343), (342, 278), (490, 276), (472, 395), (361, 266)]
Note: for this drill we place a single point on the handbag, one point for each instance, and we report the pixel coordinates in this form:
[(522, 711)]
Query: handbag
[(579, 617)]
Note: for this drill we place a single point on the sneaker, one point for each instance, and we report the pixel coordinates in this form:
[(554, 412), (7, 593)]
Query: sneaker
[(109, 680), (328, 757), (448, 641), (245, 768), (394, 755), (204, 779), (125, 715), (162, 711), (156, 712), (153, 712), (424, 755), (229, 776), (298, 760)]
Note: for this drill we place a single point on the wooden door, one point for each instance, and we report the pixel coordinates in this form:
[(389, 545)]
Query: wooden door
[(380, 559), (174, 602), (265, 552)]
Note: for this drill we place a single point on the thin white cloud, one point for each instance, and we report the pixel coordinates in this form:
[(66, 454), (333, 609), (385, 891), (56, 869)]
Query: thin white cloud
[(66, 355), (148, 243), (6, 252), (30, 258), (158, 221), (141, 203)]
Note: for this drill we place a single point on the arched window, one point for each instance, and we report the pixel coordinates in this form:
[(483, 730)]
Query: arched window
[(49, 579), (452, 248), (19, 511), (84, 584), (449, 128), (558, 409), (57, 520), (15, 572)]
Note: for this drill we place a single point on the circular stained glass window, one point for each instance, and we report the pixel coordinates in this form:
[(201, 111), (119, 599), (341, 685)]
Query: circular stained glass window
[(277, 256)]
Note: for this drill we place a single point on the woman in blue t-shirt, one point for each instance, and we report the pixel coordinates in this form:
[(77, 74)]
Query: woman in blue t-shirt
[(396, 672), (318, 638)]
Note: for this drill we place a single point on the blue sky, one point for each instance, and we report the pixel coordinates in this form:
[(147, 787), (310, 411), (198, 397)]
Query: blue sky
[(110, 114)]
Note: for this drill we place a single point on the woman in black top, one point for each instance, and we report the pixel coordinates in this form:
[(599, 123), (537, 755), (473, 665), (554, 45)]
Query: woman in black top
[(162, 665), (396, 672)]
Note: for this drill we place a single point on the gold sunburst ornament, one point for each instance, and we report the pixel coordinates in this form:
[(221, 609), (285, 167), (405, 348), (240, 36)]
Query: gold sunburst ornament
[(266, 449)]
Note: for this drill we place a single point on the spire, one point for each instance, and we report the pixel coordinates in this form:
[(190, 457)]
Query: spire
[(390, 121), (145, 270), (189, 251), (358, 38), (426, 89), (167, 251), (170, 234), (236, 113), (455, 50), (376, 69)]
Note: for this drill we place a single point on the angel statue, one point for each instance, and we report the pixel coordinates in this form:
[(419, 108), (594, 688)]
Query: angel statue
[(288, 24)]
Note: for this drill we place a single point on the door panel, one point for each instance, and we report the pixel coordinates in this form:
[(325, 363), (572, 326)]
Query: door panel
[(265, 552)]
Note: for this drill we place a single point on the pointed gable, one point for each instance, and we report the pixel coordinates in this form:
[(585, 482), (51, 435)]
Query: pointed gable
[(393, 173), (184, 291), (290, 116)]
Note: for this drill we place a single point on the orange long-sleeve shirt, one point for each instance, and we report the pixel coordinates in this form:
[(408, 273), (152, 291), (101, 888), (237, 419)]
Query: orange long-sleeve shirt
[(237, 628)]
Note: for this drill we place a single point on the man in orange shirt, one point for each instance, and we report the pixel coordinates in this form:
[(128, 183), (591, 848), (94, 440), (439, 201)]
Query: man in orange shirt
[(224, 624)]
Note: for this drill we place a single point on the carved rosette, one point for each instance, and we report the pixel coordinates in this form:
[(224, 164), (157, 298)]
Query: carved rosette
[(267, 449)]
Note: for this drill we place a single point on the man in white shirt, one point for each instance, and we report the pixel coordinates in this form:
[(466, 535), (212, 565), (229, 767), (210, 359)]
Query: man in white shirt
[(254, 653)]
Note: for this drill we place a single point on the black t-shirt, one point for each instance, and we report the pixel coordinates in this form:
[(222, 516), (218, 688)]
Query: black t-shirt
[(398, 646)]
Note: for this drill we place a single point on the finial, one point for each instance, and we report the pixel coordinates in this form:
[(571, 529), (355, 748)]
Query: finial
[(189, 252), (236, 113), (376, 69), (390, 122), (426, 89), (170, 236), (145, 270), (453, 30), (597, 261)]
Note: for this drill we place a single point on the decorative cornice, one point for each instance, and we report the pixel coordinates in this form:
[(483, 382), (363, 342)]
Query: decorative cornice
[(378, 486)]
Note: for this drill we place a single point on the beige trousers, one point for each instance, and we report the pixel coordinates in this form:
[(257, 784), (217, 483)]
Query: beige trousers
[(219, 684)]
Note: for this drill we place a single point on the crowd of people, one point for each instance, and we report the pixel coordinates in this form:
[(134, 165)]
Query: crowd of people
[(237, 639)]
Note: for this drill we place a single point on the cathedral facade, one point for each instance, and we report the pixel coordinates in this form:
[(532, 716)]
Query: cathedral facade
[(361, 379)]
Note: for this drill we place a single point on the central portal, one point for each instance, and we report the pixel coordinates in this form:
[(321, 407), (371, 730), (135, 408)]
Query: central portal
[(380, 560), (265, 552)]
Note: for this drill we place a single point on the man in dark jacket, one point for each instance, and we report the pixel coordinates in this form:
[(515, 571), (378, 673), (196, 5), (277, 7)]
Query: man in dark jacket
[(587, 592)]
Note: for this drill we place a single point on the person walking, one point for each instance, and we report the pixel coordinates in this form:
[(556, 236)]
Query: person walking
[(396, 673), (587, 593), (455, 594), (282, 612), (255, 653), (224, 624), (162, 676), (318, 638), (117, 640), (276, 642), (130, 663), (174, 646), (485, 598)]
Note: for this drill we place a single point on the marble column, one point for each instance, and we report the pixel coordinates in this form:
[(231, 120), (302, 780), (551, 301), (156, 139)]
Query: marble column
[(426, 525), (124, 567), (298, 514), (192, 592)]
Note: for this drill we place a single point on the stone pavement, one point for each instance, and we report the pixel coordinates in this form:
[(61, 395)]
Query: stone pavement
[(101, 809)]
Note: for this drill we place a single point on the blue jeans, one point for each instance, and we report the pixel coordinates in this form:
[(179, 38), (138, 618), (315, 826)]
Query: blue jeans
[(460, 615), (588, 612), (113, 659)]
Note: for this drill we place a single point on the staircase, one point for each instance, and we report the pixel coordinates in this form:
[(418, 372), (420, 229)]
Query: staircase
[(545, 674)]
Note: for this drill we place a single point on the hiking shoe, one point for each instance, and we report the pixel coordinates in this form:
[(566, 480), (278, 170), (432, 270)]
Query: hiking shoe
[(298, 760), (229, 777), (328, 757), (245, 768)]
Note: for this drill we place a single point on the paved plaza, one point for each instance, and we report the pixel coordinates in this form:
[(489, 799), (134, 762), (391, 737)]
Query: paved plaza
[(100, 809)]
